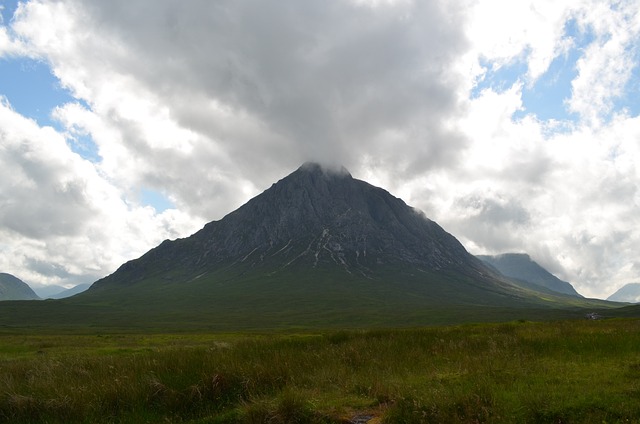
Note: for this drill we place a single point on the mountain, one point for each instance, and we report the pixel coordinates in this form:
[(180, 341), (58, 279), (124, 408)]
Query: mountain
[(72, 291), (47, 292), (627, 293), (320, 248), (59, 292), (12, 288), (312, 219), (521, 267)]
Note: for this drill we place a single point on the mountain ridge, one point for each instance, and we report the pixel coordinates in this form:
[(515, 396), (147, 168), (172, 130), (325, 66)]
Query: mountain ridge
[(628, 293), (72, 291), (13, 288), (521, 267)]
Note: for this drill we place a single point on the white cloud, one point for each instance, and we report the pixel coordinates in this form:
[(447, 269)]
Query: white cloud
[(608, 62), (60, 220), (504, 31), (571, 200)]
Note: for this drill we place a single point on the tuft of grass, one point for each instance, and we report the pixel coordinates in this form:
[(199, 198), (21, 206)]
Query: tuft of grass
[(287, 408)]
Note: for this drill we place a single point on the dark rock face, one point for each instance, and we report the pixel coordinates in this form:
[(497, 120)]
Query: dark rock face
[(312, 218), (521, 267), (12, 288)]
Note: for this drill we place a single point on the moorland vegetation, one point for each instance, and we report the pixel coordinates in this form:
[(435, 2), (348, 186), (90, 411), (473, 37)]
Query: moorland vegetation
[(578, 371)]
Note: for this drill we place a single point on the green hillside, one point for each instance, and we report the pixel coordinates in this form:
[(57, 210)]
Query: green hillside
[(285, 301)]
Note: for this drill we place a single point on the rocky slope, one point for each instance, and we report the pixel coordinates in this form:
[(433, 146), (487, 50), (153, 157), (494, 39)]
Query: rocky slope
[(313, 218)]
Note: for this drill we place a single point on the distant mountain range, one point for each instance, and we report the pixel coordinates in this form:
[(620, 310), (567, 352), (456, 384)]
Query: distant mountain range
[(627, 293), (59, 292), (12, 288), (522, 268)]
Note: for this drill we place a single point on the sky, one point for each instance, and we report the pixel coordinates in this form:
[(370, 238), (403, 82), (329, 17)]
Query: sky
[(514, 125)]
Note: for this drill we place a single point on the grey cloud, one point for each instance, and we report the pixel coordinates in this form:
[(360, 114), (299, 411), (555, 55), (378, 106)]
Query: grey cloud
[(322, 80), (39, 197), (494, 211), (47, 268), (615, 188), (497, 224), (600, 254), (531, 170)]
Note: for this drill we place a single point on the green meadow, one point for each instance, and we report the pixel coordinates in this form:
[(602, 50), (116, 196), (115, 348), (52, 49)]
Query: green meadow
[(571, 371)]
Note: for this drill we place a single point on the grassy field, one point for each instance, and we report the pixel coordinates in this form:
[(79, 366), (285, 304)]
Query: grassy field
[(577, 371)]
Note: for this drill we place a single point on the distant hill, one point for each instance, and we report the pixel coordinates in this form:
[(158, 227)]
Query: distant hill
[(64, 293), (46, 292), (627, 293), (59, 292), (521, 267), (12, 288)]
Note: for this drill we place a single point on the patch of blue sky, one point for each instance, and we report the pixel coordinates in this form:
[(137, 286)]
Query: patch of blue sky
[(7, 9), (547, 97), (31, 88), (33, 91), (155, 199), (501, 78), (84, 145), (581, 36)]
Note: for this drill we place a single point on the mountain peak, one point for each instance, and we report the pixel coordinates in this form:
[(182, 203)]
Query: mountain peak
[(315, 168), (317, 217), (519, 256)]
